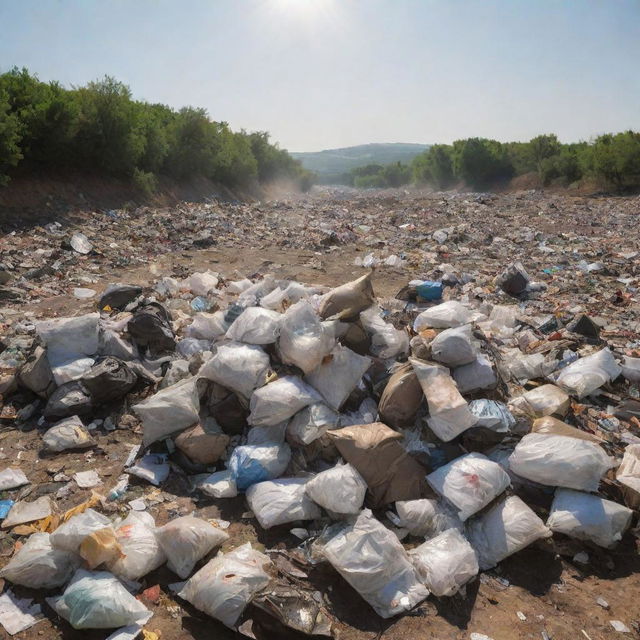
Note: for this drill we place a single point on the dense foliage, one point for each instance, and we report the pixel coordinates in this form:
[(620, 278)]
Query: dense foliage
[(100, 128)]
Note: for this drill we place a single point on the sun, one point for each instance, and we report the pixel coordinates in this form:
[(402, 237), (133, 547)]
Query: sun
[(302, 8)]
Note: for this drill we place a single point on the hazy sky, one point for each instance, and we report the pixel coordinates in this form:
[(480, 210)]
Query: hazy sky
[(319, 74)]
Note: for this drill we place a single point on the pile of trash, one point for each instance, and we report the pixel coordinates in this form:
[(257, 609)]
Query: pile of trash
[(408, 443)]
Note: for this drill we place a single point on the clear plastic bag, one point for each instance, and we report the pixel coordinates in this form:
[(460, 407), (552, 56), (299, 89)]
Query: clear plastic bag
[(386, 340), (340, 489), (426, 517), (469, 483), (207, 326), (255, 325), (225, 585), (454, 347), (547, 400), (67, 434), (560, 461), (186, 540), (279, 400), (586, 375), (69, 535), (201, 283), (250, 464), (492, 414), (476, 376), (311, 423), (446, 563), (443, 316)]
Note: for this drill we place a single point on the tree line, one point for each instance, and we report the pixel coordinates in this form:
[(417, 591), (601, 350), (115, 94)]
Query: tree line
[(100, 128)]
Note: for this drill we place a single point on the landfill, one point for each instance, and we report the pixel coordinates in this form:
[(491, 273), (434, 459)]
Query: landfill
[(447, 388)]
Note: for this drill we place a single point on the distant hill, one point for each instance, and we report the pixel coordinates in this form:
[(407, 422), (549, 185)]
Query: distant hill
[(336, 161)]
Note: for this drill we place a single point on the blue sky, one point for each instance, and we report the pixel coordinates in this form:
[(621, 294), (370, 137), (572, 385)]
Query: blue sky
[(319, 74)]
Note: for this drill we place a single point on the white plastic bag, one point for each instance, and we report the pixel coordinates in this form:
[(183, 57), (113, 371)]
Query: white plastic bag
[(631, 369), (446, 563), (547, 400), (427, 517), (239, 367), (69, 535), (311, 423), (454, 347), (340, 489), (255, 325), (560, 461), (250, 464), (475, 376), (279, 400), (449, 413), (588, 517), (225, 585), (372, 560), (142, 552), (443, 316), (69, 433), (186, 540), (38, 565), (273, 434), (220, 484), (207, 326), (168, 411), (277, 502), (509, 526), (12, 479), (469, 483), (585, 375), (386, 340), (201, 283), (97, 600), (338, 375), (628, 475), (304, 341)]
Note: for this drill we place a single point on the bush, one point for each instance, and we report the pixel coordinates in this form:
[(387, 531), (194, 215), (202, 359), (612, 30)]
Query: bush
[(145, 181)]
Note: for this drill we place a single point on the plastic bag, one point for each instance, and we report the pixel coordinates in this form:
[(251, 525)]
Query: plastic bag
[(220, 484), (190, 347), (340, 489), (38, 565), (560, 461), (631, 369), (69, 535), (586, 375), (172, 409), (311, 423), (207, 326), (201, 283), (386, 340), (507, 527), (277, 502), (628, 475), (178, 370), (588, 517), (372, 560), (454, 347), (279, 400), (426, 517), (492, 414), (552, 426), (141, 550), (366, 413), (12, 479), (338, 375), (446, 563), (547, 400), (476, 376), (225, 585), (186, 540), (443, 316), (97, 600), (401, 398), (304, 341), (469, 483), (449, 413), (255, 326), (250, 464), (348, 300)]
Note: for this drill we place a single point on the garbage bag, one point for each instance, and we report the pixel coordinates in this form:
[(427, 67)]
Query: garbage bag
[(239, 367), (443, 316), (628, 475), (279, 400), (375, 451), (36, 374), (178, 370), (386, 340), (207, 326), (69, 399), (67, 434), (200, 283), (547, 400), (475, 376), (275, 502), (100, 547), (225, 585), (401, 398), (304, 340), (111, 344), (338, 375), (250, 464), (255, 326), (108, 380), (427, 517), (372, 560), (454, 347), (97, 600), (492, 414), (273, 434), (631, 369), (189, 347), (150, 328), (340, 489), (560, 461), (446, 563), (141, 550), (12, 479), (172, 409), (586, 375), (186, 540), (118, 296), (552, 426), (469, 483), (449, 413), (588, 517), (69, 535), (311, 423), (366, 413), (507, 527), (38, 565), (513, 280), (220, 484), (348, 300)]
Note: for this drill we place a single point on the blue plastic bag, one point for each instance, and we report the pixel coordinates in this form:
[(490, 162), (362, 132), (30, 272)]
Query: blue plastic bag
[(429, 290), (5, 507)]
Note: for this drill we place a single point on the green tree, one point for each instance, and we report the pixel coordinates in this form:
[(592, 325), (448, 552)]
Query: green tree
[(542, 148), (481, 162), (9, 138), (434, 166)]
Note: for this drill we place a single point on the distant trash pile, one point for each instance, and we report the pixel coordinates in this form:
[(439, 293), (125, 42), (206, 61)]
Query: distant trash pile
[(410, 443)]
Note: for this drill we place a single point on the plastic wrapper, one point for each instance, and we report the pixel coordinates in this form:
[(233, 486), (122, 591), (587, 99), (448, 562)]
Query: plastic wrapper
[(454, 347), (69, 535), (547, 400), (507, 527), (225, 585), (255, 325), (250, 464), (586, 375), (372, 560), (348, 300), (427, 517), (277, 502), (340, 489), (492, 414), (279, 400), (386, 340), (469, 483), (560, 461), (588, 517), (311, 423), (443, 316), (446, 563), (186, 540), (475, 376)]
